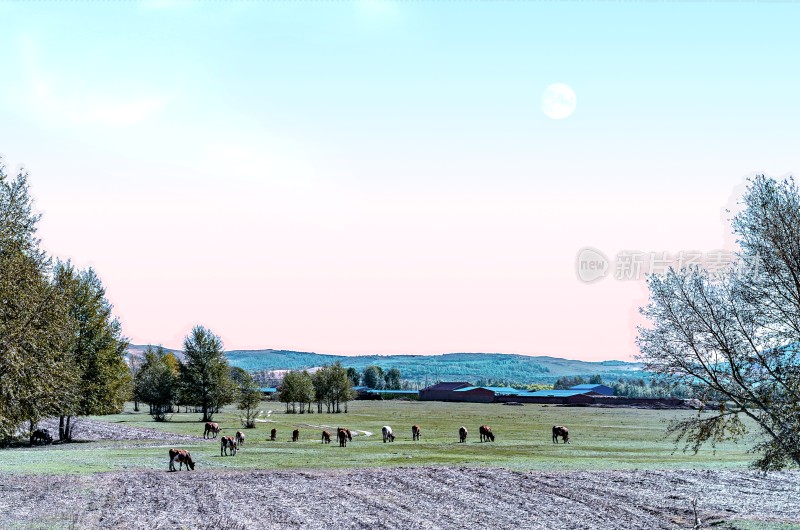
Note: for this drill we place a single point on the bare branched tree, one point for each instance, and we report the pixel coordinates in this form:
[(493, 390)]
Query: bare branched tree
[(733, 336)]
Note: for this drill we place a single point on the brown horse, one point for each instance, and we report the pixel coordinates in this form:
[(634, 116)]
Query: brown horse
[(415, 432), (239, 438), (296, 435), (343, 435), (486, 433), (211, 428), (563, 432), (273, 434), (227, 443), (326, 437), (462, 435), (181, 456)]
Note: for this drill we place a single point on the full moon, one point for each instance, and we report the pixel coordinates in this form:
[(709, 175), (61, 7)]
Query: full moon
[(558, 101)]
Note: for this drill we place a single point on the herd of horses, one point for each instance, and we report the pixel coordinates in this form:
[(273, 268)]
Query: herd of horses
[(230, 444)]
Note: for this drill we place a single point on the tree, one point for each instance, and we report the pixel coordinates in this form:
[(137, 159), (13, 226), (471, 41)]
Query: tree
[(733, 335), (249, 398), (297, 389), (96, 354), (340, 387), (392, 379), (34, 319), (596, 379), (354, 376), (206, 374), (157, 381), (373, 376)]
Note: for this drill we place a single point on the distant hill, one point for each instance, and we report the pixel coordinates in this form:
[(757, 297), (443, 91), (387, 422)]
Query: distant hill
[(448, 366)]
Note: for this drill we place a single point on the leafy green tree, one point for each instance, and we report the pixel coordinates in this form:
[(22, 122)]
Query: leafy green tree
[(340, 387), (249, 398), (206, 374), (297, 389), (373, 377), (596, 379), (97, 350), (157, 382), (34, 320), (354, 376), (322, 388), (733, 335), (393, 379)]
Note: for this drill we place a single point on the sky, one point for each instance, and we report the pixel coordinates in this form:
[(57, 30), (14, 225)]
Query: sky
[(363, 177)]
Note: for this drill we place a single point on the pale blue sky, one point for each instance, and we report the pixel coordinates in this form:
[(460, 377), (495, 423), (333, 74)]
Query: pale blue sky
[(379, 177)]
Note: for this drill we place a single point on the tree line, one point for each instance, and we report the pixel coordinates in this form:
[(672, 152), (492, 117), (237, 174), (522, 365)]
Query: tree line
[(61, 349), (329, 386), (203, 380)]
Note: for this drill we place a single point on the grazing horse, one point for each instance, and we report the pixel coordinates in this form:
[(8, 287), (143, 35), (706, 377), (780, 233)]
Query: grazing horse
[(486, 433), (387, 433), (415, 432), (563, 432), (181, 456), (41, 436), (296, 435), (343, 435), (273, 434), (239, 438), (211, 428), (326, 437), (462, 435), (227, 443)]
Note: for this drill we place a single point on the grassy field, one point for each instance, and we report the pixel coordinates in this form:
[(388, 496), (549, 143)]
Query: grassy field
[(602, 438)]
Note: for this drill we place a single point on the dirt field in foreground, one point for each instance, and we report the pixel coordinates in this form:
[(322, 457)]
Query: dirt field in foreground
[(398, 498)]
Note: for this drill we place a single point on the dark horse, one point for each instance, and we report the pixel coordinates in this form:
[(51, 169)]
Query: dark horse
[(296, 435), (326, 437), (462, 434), (181, 456), (41, 436), (273, 434), (563, 432), (486, 433), (415, 432)]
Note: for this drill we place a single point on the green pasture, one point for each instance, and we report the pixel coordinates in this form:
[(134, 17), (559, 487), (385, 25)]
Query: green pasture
[(602, 438)]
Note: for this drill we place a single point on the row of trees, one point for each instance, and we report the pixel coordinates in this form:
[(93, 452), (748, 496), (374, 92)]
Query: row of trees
[(375, 377), (329, 386), (203, 380), (61, 349)]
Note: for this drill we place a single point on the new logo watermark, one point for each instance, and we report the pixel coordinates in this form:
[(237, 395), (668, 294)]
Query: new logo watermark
[(592, 265)]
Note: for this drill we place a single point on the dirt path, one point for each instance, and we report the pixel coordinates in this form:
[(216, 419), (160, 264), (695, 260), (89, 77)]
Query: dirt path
[(398, 498)]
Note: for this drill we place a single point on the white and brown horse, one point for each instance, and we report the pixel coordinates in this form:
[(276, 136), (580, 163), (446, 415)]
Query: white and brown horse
[(227, 443), (563, 432), (388, 435), (239, 438), (181, 456), (211, 428)]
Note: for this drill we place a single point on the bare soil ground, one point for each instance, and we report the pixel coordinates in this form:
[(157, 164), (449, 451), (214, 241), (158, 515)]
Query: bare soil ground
[(90, 430), (422, 497)]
